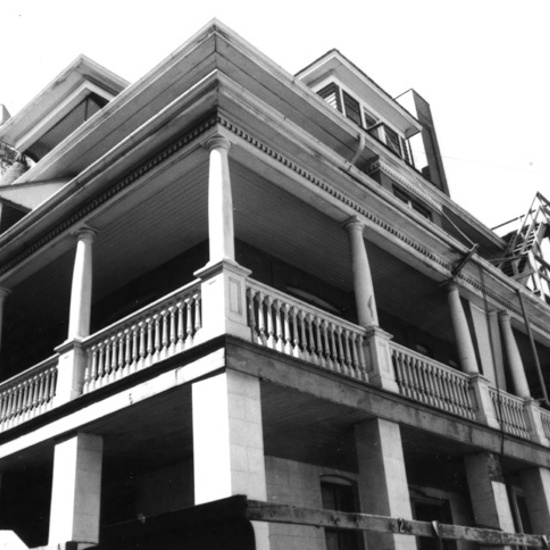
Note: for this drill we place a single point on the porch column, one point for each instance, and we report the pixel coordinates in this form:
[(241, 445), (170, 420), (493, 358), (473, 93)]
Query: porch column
[(362, 279), (383, 487), (466, 352), (76, 490), (517, 370), (228, 448), (72, 358), (3, 294), (220, 203), (81, 290), (488, 494), (536, 486)]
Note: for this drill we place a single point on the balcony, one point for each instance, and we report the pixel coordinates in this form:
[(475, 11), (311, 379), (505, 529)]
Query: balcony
[(272, 319)]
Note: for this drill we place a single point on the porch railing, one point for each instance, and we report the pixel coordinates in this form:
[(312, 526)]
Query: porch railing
[(432, 383), (155, 332), (293, 327), (509, 410), (545, 418), (28, 394)]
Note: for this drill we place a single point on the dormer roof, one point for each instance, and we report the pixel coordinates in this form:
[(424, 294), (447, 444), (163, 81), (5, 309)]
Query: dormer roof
[(73, 96)]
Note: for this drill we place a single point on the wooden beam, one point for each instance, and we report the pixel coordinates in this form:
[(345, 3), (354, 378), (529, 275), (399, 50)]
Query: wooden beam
[(299, 515)]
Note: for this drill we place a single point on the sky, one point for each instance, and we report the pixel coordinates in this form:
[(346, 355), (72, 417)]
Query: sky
[(481, 64)]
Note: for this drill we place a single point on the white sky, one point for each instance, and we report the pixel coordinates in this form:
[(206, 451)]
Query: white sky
[(481, 64)]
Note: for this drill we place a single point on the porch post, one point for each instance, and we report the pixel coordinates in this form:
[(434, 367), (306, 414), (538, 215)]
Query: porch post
[(382, 482), (228, 447), (81, 290), (76, 490), (488, 494), (3, 294), (521, 386), (362, 278), (72, 358), (466, 353), (220, 203)]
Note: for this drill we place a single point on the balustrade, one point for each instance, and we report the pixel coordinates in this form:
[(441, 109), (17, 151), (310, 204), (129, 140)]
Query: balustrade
[(435, 384), (292, 327), (156, 332), (545, 419), (28, 394), (509, 412)]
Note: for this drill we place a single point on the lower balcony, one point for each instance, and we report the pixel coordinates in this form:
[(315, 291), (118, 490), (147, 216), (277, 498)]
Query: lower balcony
[(275, 320)]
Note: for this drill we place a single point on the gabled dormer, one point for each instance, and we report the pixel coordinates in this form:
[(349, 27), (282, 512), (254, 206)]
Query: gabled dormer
[(407, 133), (73, 97)]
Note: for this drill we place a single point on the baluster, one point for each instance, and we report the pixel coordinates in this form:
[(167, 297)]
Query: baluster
[(172, 330), (448, 392), (31, 405), (347, 336), (322, 342), (53, 383), (287, 345), (416, 384), (134, 356), (361, 357), (277, 314), (354, 338), (261, 318), (142, 346), (180, 334), (302, 334), (197, 313), (156, 336), (269, 322), (334, 347), (99, 373), (3, 404), (163, 333), (434, 374), (41, 392), (150, 348), (400, 372), (250, 304), (336, 337), (310, 339), (296, 331), (114, 358)]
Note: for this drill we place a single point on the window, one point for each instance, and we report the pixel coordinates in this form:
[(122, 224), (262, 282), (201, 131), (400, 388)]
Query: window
[(352, 108), (428, 509), (414, 204), (331, 94), (370, 120), (392, 140), (339, 494), (518, 503)]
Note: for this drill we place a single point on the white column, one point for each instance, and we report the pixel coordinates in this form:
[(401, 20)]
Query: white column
[(536, 487), (81, 290), (488, 494), (362, 278), (383, 486), (220, 202), (515, 362), (76, 490), (465, 346), (228, 446), (3, 294)]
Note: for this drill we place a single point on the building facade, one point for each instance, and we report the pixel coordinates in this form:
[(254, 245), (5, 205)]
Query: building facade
[(226, 280)]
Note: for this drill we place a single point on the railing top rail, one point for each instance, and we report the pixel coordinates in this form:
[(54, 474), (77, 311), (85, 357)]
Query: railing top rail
[(502, 394), (429, 360), (29, 373), (138, 313), (308, 308)]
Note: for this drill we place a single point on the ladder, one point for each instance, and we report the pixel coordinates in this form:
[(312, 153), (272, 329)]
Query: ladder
[(524, 259)]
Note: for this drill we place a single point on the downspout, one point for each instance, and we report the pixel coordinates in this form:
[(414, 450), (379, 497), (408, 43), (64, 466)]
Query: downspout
[(358, 151)]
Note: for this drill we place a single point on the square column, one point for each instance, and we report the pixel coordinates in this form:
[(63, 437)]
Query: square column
[(228, 445), (76, 491), (488, 493), (536, 486), (383, 486)]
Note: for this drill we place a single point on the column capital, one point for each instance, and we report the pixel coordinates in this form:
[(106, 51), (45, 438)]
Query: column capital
[(450, 285), (4, 292), (85, 232), (504, 316), (354, 224), (217, 141)]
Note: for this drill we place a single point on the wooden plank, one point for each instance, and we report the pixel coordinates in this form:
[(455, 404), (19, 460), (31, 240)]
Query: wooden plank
[(298, 515)]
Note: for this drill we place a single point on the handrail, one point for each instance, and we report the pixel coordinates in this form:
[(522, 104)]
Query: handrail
[(428, 381), (291, 326)]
